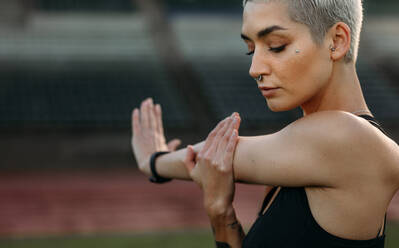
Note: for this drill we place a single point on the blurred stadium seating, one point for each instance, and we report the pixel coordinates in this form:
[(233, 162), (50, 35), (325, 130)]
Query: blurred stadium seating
[(77, 65)]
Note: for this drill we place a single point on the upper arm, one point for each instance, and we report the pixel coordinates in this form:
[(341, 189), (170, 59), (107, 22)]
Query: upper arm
[(312, 151)]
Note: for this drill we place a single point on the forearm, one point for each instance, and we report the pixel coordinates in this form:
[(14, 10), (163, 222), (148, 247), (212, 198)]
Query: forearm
[(171, 165), (227, 230)]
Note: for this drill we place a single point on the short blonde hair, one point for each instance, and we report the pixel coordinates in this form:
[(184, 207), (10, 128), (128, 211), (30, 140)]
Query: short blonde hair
[(321, 15)]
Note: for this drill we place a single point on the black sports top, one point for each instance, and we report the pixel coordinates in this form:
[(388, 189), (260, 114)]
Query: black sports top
[(289, 223)]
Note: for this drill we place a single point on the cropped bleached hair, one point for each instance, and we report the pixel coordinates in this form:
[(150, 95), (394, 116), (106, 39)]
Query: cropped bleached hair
[(321, 15)]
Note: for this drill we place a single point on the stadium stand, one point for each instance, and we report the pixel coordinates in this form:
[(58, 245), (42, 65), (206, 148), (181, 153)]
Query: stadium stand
[(69, 72), (63, 74)]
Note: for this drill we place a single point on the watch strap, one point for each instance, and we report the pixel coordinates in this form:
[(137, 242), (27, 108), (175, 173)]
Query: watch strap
[(155, 177)]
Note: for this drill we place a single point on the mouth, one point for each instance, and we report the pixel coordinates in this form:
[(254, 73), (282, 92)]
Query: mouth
[(267, 88), (268, 91)]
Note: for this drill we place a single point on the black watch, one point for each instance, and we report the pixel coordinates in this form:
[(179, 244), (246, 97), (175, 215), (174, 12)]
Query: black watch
[(155, 178)]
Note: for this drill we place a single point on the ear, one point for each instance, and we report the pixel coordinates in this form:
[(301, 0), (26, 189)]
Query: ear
[(340, 35)]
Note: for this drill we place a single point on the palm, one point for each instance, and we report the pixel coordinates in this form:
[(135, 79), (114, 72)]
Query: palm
[(148, 135)]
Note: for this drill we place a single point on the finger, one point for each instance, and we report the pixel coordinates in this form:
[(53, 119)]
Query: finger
[(218, 139), (144, 114), (151, 115), (235, 125), (221, 148), (136, 121), (232, 141), (158, 111), (226, 136), (230, 149), (189, 161), (224, 133), (173, 144), (212, 135), (238, 123)]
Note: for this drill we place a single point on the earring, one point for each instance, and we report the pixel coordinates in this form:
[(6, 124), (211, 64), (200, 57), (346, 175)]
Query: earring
[(297, 51), (332, 48)]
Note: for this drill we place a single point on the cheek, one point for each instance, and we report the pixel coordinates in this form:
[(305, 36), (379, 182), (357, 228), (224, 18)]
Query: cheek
[(305, 73)]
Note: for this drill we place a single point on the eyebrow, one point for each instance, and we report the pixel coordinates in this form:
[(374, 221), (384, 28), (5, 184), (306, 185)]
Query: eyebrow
[(264, 32)]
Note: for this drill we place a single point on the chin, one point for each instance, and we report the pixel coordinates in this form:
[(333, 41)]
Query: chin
[(280, 106)]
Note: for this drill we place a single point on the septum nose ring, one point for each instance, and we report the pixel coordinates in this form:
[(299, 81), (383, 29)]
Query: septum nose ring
[(259, 78)]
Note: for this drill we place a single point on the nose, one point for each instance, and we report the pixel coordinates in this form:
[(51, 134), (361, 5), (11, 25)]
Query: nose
[(259, 66)]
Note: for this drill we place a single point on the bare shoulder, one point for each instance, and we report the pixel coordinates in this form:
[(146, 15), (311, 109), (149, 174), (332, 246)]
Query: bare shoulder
[(350, 140), (338, 126)]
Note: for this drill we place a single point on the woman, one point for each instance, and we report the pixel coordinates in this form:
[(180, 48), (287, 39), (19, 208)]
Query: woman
[(330, 175)]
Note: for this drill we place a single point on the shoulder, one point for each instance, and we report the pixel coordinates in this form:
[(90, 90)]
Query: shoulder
[(338, 127), (349, 142), (339, 136)]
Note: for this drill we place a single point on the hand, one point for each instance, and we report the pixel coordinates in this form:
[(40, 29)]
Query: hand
[(212, 168), (147, 134)]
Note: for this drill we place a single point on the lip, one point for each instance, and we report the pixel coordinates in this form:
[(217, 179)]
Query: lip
[(268, 91), (267, 88)]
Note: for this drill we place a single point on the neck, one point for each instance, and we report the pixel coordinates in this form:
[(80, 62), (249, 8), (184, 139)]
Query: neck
[(342, 92)]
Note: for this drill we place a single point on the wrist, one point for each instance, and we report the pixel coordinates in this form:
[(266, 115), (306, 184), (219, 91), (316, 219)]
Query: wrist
[(221, 214), (155, 177), (144, 167), (227, 229)]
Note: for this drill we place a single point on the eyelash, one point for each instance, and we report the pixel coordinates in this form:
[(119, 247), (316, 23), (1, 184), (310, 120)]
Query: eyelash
[(272, 49), (277, 49), (250, 53)]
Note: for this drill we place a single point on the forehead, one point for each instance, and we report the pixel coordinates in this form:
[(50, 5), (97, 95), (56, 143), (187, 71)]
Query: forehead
[(257, 15)]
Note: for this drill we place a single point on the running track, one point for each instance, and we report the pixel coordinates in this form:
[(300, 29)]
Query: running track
[(62, 203)]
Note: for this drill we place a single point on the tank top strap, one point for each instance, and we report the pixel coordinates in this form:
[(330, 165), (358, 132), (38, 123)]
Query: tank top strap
[(373, 122), (385, 223), (267, 200), (383, 227)]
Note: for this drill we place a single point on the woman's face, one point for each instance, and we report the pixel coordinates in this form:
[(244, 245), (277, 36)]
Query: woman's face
[(290, 78)]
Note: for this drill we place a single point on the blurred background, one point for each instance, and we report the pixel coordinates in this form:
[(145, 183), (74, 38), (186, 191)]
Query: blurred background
[(72, 71)]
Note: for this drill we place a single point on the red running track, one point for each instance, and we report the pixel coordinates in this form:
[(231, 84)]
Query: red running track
[(60, 203)]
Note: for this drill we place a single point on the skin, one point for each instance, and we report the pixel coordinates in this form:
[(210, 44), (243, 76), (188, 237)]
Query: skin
[(311, 79), (212, 168), (148, 133), (340, 159)]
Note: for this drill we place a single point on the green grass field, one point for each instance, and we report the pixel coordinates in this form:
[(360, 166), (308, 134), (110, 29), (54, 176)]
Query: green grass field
[(192, 239)]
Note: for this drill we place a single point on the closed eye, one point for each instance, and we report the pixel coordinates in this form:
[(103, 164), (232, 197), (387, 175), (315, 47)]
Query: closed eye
[(272, 49), (278, 49)]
